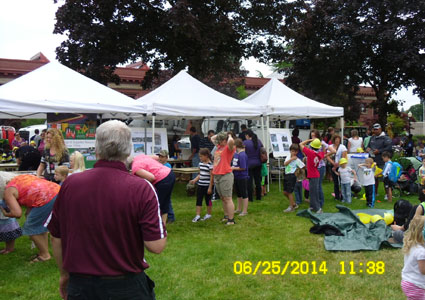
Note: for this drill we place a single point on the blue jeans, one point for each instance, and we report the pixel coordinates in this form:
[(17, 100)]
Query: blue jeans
[(314, 194), (346, 192), (171, 215), (195, 163), (322, 171), (130, 286), (298, 190)]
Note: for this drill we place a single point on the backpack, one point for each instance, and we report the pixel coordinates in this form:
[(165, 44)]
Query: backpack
[(395, 172)]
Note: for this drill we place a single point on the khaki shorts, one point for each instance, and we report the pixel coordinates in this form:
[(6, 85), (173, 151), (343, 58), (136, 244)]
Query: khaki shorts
[(224, 184)]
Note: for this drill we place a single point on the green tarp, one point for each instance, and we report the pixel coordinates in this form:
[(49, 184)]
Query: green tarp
[(354, 235)]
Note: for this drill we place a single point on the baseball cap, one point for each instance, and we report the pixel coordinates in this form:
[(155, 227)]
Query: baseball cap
[(163, 152), (376, 126)]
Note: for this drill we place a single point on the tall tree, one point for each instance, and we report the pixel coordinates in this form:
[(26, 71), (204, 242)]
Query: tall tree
[(200, 36), (335, 45)]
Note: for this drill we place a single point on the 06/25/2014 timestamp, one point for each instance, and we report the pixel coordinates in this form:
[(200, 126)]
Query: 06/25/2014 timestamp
[(265, 267)]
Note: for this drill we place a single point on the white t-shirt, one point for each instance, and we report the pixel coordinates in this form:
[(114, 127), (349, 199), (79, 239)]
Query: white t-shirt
[(293, 165), (345, 174), (339, 152), (410, 272), (354, 144), (368, 175)]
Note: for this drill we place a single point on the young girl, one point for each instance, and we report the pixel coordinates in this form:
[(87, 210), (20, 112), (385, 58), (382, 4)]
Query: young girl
[(240, 172), (9, 231), (413, 273), (205, 183), (76, 162)]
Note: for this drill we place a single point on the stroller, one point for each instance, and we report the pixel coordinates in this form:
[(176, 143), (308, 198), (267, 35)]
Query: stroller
[(407, 183)]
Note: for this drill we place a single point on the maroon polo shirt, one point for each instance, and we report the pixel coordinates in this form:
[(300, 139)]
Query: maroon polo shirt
[(102, 217)]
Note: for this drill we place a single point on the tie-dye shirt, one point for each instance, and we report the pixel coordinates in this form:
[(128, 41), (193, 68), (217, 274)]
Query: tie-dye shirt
[(33, 191)]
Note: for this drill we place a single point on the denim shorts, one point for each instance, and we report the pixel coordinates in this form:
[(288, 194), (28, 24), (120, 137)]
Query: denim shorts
[(34, 224)]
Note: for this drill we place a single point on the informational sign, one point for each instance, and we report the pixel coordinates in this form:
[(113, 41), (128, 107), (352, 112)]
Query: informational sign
[(139, 143), (79, 133), (280, 141)]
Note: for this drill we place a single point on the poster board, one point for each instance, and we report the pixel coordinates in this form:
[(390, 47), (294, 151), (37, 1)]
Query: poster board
[(79, 133), (138, 138), (280, 141)]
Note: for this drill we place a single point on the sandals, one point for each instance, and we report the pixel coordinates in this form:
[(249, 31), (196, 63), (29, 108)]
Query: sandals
[(230, 222), (225, 219), (4, 251), (238, 211), (38, 259), (242, 214)]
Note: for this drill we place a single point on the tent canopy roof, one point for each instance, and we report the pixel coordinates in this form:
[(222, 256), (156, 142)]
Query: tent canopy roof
[(55, 88), (276, 99), (187, 97)]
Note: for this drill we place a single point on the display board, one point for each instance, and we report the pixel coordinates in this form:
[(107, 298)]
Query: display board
[(280, 141), (79, 133), (138, 137)]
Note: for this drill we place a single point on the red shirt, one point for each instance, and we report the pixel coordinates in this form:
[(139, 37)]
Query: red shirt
[(102, 216), (33, 191), (222, 160), (313, 159)]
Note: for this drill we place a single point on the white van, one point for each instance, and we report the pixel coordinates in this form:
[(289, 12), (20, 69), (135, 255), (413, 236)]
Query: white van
[(27, 132)]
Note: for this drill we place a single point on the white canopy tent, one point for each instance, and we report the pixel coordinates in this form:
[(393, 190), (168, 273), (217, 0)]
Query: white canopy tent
[(54, 88), (185, 96)]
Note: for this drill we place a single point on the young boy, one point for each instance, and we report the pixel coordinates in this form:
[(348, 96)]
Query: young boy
[(345, 173), (292, 163), (314, 156), (61, 173), (388, 184), (240, 173), (368, 169)]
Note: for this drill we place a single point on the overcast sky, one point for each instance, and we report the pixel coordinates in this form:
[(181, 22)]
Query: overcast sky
[(26, 28)]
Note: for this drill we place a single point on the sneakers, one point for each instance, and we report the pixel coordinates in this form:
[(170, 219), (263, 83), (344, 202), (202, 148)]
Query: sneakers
[(289, 209), (206, 217), (196, 219), (319, 211), (386, 197)]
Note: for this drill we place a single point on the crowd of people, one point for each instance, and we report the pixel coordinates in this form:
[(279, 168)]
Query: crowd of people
[(123, 219)]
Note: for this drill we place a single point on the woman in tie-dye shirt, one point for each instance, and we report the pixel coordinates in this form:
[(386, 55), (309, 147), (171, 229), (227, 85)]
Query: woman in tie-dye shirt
[(38, 196)]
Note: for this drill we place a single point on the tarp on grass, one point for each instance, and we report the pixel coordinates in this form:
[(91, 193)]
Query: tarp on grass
[(347, 232)]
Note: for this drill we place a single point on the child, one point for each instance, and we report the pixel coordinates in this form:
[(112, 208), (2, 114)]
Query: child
[(413, 273), (163, 159), (76, 162), (422, 173), (388, 184), (240, 172), (61, 173), (313, 158), (205, 183), (368, 169), (345, 172), (9, 231), (291, 164)]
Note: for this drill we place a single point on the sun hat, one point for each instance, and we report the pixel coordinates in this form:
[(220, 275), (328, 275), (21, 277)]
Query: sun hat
[(343, 161), (316, 144)]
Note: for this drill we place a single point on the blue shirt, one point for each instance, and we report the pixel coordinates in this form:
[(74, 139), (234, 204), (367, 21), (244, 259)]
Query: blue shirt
[(240, 160)]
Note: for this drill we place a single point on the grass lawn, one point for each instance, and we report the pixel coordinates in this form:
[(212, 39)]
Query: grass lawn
[(198, 262)]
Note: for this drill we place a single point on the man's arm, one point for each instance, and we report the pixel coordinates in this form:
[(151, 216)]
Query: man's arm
[(64, 275), (387, 145), (156, 246)]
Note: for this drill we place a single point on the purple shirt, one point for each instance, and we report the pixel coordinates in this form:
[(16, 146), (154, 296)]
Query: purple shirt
[(252, 153), (102, 217), (240, 160)]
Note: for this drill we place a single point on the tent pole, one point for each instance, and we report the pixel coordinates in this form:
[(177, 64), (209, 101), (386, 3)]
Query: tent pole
[(342, 128), (153, 132), (262, 129), (100, 118), (146, 134), (267, 149)]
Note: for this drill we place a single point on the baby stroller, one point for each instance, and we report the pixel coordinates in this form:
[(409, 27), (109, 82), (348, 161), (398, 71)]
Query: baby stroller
[(407, 183)]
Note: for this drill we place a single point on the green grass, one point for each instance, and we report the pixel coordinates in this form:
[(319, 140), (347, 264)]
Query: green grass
[(198, 262)]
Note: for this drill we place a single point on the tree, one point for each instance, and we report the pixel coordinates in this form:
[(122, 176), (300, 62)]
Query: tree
[(417, 111), (200, 36), (335, 45)]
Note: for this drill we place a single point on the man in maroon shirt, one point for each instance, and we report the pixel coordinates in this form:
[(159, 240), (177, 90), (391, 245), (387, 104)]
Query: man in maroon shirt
[(101, 222)]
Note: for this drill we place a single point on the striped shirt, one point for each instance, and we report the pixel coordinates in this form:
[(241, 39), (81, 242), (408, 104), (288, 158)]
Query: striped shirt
[(205, 170)]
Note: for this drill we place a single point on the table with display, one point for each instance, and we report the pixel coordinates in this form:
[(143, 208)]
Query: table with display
[(9, 167)]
